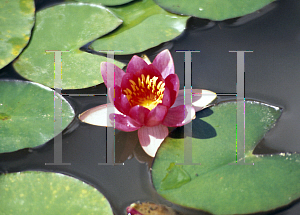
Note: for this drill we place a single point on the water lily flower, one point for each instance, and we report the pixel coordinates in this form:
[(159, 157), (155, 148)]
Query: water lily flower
[(144, 207), (147, 98)]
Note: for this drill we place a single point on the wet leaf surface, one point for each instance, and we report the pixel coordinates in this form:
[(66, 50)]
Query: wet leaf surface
[(49, 193), (27, 114), (106, 2), (16, 22), (57, 28), (145, 25), (216, 185), (213, 9)]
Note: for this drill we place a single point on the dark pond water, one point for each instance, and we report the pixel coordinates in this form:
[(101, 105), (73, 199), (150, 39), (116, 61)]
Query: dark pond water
[(271, 75)]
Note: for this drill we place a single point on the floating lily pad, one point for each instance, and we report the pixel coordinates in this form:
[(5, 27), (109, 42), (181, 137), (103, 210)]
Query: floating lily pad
[(106, 2), (217, 186), (213, 9), (145, 25), (66, 27), (27, 114), (49, 193), (16, 22)]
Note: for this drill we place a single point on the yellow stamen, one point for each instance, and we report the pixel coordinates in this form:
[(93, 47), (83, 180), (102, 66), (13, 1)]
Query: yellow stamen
[(129, 91), (148, 96), (148, 82), (160, 83), (143, 80), (132, 82), (133, 88), (154, 83)]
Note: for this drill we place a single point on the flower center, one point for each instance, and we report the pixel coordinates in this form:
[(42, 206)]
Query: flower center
[(145, 92)]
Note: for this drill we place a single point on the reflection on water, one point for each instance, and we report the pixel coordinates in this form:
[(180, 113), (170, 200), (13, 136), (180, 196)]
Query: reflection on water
[(235, 22)]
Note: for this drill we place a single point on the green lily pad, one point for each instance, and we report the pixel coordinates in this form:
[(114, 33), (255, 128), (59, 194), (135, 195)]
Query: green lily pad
[(49, 193), (106, 2), (215, 185), (66, 27), (213, 9), (16, 22), (27, 114), (145, 25)]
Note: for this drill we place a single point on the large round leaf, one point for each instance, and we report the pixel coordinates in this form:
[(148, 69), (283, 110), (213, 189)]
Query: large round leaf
[(27, 114), (66, 27), (16, 22), (218, 185), (106, 2), (31, 193), (145, 25), (213, 9)]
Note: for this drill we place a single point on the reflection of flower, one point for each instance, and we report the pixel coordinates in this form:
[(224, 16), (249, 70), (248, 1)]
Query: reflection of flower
[(146, 99)]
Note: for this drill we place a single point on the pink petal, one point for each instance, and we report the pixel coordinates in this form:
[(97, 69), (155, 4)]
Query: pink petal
[(119, 100), (180, 98), (156, 115), (139, 113), (125, 81), (124, 123), (200, 98), (150, 70), (167, 101), (132, 211), (164, 63), (179, 116), (111, 94), (172, 83), (119, 73), (98, 115), (135, 64), (151, 138)]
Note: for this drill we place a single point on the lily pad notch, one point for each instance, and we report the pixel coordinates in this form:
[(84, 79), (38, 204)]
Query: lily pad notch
[(220, 188), (57, 28)]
